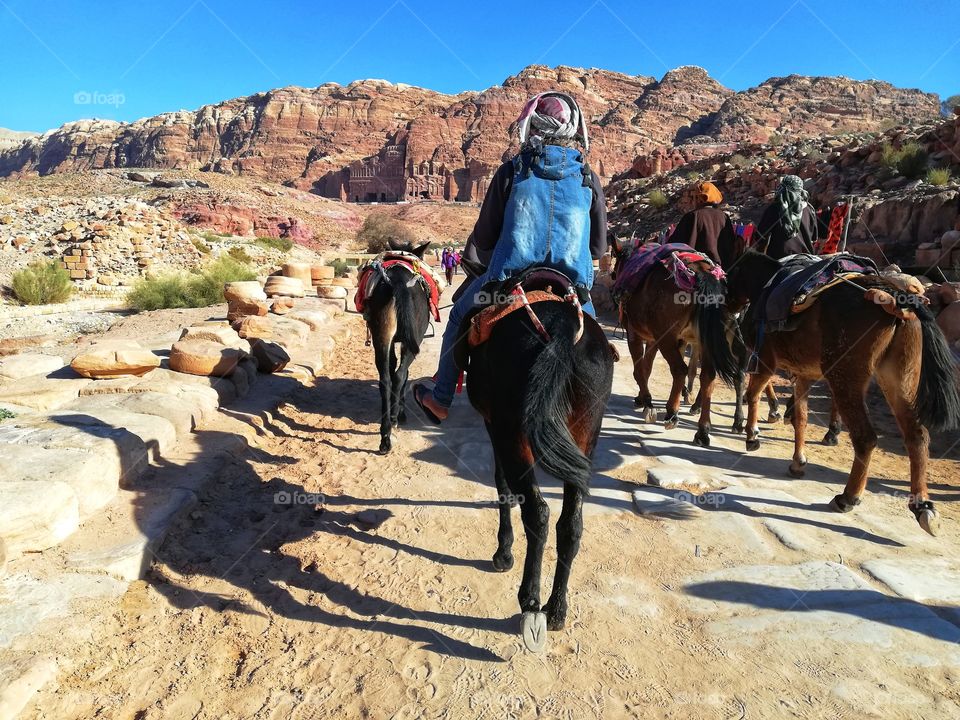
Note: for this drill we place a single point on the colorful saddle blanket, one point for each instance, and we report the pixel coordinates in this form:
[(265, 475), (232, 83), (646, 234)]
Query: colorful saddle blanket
[(375, 271), (676, 258), (801, 280)]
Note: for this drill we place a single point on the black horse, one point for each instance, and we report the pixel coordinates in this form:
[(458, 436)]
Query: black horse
[(397, 312), (542, 401)]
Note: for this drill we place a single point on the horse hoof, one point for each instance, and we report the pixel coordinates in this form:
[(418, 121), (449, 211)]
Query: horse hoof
[(702, 438), (775, 416), (533, 629), (753, 445), (385, 446), (670, 422), (797, 472), (694, 409), (649, 415), (842, 505), (831, 439), (929, 520), (502, 563), (738, 427)]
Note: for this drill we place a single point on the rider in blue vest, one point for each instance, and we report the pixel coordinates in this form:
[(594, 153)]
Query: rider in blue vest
[(545, 207)]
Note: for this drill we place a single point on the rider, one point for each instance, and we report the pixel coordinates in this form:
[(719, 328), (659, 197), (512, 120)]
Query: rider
[(708, 229), (789, 224), (544, 207)]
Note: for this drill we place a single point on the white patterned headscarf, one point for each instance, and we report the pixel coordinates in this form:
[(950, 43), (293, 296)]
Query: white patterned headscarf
[(791, 199), (552, 115)]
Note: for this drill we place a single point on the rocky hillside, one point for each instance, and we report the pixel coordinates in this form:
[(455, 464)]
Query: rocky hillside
[(901, 209), (311, 137), (11, 138)]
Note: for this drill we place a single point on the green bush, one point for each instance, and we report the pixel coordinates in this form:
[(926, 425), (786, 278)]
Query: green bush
[(740, 161), (42, 282), (340, 267), (201, 246), (272, 243), (197, 289), (776, 139), (909, 160), (6, 414), (379, 230), (938, 176), (657, 199), (239, 254)]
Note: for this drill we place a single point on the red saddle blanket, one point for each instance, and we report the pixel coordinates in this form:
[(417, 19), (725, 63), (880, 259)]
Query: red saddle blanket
[(375, 271)]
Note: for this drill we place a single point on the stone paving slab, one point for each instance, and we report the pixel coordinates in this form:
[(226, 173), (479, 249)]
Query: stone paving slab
[(36, 515), (43, 393), (934, 582)]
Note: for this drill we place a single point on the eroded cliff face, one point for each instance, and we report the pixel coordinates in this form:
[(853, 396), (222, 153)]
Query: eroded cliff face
[(399, 141)]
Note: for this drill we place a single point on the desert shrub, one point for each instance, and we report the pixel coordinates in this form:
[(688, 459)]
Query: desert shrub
[(339, 267), (739, 161), (272, 243), (197, 289), (913, 161), (6, 414), (239, 254), (938, 176), (909, 160), (775, 139), (379, 230), (42, 282), (950, 103), (201, 246), (212, 237), (657, 199)]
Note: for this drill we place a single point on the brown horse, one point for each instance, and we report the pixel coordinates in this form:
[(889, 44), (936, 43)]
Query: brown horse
[(660, 318), (848, 339)]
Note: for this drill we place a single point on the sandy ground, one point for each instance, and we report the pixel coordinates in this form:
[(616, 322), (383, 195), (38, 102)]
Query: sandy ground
[(320, 580)]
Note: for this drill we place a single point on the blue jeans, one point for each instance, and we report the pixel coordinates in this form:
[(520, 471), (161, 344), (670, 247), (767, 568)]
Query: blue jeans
[(447, 371)]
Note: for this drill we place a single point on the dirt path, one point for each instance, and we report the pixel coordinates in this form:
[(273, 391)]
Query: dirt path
[(319, 580)]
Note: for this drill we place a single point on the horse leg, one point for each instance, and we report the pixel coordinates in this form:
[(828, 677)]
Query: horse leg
[(383, 356), (756, 385), (708, 380), (517, 464), (638, 353), (569, 532), (801, 391), (399, 380), (896, 382), (670, 349), (848, 385), (832, 436), (773, 403), (692, 369), (740, 351), (503, 557)]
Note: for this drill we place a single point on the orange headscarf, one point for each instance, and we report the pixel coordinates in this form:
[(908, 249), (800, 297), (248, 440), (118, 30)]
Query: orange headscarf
[(707, 194)]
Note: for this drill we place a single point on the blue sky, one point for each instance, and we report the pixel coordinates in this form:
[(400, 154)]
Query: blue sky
[(126, 59)]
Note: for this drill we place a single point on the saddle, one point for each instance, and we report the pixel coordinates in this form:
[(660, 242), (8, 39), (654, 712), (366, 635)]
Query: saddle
[(801, 281), (375, 271), (499, 299), (676, 258)]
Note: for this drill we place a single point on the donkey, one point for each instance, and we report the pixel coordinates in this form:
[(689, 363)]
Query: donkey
[(542, 402), (658, 317), (397, 312), (848, 337)]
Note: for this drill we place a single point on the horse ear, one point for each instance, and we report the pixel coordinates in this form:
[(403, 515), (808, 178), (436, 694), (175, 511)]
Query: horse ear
[(394, 245), (420, 250)]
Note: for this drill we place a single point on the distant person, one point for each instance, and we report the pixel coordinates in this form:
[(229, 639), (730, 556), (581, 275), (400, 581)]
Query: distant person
[(789, 224), (708, 229), (449, 263), (456, 262)]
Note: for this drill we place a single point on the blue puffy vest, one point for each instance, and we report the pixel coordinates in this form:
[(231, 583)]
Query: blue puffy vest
[(546, 221)]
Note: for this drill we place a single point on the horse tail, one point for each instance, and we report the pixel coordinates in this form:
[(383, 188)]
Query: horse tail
[(711, 317), (406, 332), (937, 403), (547, 404)]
